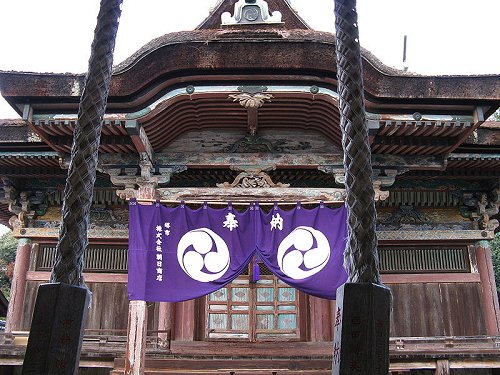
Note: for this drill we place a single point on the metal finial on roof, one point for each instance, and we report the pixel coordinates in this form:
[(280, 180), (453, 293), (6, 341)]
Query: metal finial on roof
[(251, 12)]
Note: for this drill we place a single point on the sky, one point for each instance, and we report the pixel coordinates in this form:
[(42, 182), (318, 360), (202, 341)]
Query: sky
[(445, 37), (450, 37)]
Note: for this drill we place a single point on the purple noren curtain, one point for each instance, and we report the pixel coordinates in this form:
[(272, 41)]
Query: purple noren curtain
[(176, 254)]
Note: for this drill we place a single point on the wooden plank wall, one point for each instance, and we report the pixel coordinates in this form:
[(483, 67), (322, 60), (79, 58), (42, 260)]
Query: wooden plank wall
[(419, 309), (437, 309), (109, 308)]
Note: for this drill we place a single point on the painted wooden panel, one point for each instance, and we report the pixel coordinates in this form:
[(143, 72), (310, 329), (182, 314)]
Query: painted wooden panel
[(265, 294), (287, 321), (240, 322), (217, 321), (265, 321), (437, 309), (219, 295), (286, 294), (239, 294)]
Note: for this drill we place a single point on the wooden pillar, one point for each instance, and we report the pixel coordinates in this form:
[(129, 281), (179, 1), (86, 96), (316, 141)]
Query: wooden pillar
[(320, 319), (442, 367), (166, 312), (21, 265), (135, 354), (185, 328), (490, 296)]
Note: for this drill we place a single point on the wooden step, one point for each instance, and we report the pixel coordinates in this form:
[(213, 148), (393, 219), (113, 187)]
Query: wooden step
[(231, 366), (229, 372)]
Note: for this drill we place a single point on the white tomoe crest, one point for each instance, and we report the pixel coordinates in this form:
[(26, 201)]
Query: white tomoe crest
[(297, 258), (198, 258)]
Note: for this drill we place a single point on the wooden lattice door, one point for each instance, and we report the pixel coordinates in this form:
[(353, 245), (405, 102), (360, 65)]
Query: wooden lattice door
[(267, 309)]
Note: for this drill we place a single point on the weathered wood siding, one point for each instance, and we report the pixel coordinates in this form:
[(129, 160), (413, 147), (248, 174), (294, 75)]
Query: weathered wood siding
[(437, 309), (109, 308)]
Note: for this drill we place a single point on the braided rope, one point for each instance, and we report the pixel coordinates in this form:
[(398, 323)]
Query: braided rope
[(361, 255), (82, 170)]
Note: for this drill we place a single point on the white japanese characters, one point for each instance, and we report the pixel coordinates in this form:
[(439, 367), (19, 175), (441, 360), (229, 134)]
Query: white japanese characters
[(159, 261), (160, 232), (231, 222), (276, 222)]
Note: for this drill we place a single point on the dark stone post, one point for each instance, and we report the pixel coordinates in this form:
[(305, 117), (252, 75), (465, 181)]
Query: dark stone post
[(361, 344), (56, 334)]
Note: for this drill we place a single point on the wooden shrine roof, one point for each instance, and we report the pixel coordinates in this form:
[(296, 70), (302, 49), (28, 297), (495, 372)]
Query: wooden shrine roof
[(182, 82)]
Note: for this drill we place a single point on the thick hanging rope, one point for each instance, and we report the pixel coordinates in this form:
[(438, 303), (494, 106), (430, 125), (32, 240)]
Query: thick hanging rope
[(82, 170), (361, 253)]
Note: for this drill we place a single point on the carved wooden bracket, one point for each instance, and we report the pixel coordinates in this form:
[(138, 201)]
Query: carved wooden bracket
[(251, 101), (26, 206), (480, 207), (133, 177), (381, 178), (247, 100)]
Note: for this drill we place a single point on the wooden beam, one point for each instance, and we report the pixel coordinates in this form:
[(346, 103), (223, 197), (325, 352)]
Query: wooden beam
[(412, 278), (262, 161), (28, 117), (139, 138), (242, 195), (414, 141), (478, 119), (121, 278), (105, 140)]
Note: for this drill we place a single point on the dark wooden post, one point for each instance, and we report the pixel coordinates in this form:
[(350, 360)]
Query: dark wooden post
[(56, 334), (21, 266), (489, 295), (361, 344)]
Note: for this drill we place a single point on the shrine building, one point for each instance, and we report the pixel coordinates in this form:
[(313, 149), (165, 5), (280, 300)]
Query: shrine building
[(244, 109)]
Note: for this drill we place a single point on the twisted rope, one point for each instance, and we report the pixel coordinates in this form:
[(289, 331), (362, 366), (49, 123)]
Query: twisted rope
[(82, 170), (361, 255)]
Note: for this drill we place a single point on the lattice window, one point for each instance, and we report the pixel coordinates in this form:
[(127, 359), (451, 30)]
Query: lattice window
[(265, 310), (97, 259), (424, 260)]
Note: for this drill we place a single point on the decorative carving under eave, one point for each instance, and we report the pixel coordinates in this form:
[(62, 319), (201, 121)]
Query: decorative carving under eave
[(405, 215), (257, 144), (248, 100), (9, 191), (250, 12), (252, 180), (133, 177), (384, 178), (26, 206), (380, 195), (481, 207)]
